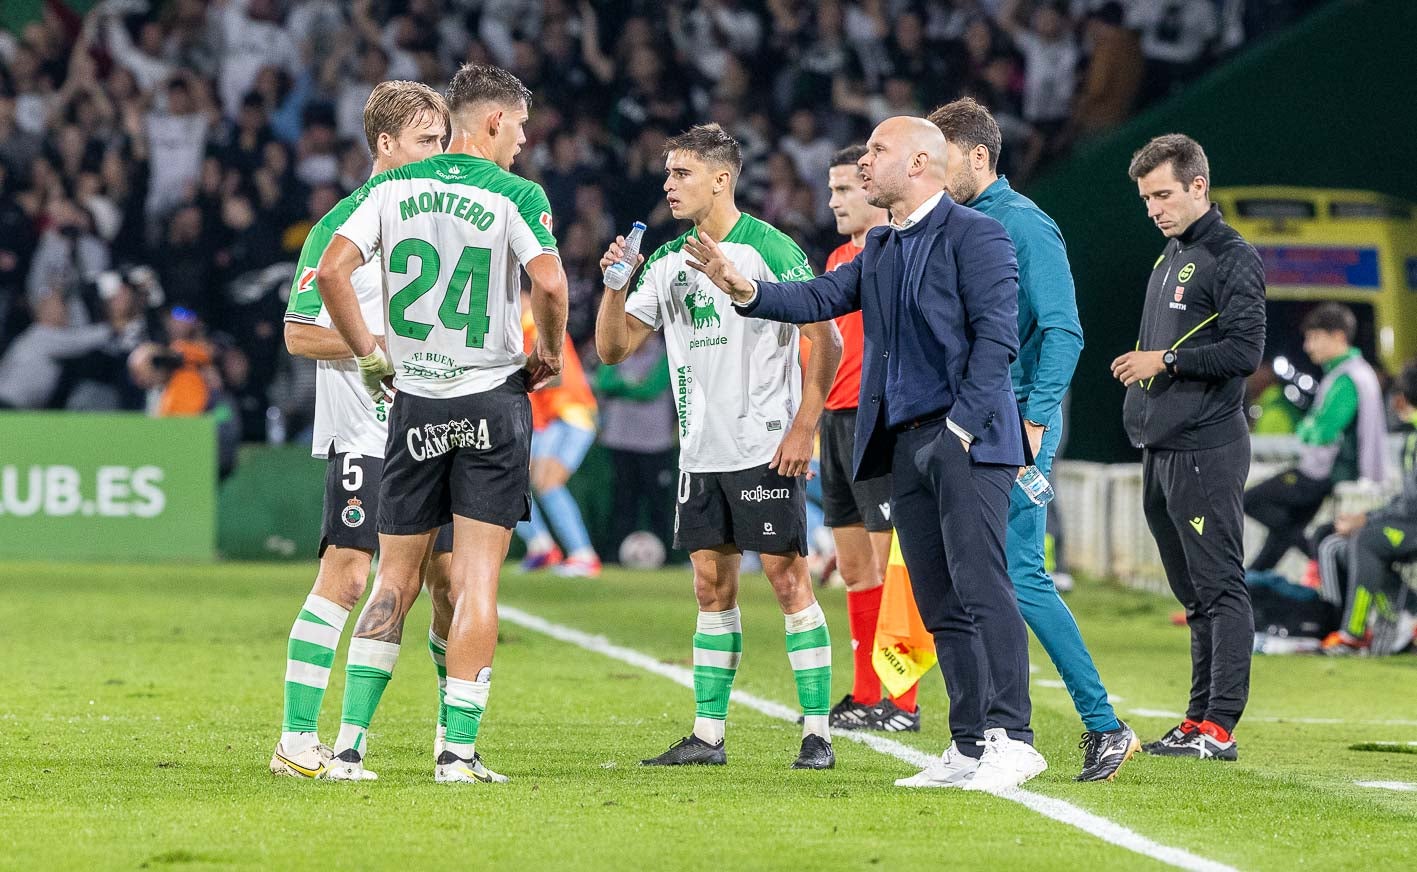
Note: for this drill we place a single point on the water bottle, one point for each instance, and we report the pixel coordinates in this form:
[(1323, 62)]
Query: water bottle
[(618, 274), (1035, 485), (275, 425)]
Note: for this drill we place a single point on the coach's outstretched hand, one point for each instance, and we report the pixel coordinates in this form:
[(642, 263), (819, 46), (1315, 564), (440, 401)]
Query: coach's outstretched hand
[(710, 260)]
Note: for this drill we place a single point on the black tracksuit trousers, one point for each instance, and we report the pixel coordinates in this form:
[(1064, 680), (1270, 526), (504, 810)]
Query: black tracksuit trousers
[(1285, 504), (1193, 505)]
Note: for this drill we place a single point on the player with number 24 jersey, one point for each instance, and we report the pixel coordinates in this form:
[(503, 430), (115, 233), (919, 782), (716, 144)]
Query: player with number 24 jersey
[(454, 322)]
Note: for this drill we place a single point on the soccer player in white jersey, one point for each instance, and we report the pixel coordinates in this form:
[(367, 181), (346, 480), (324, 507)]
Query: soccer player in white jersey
[(455, 231), (403, 122), (746, 428)]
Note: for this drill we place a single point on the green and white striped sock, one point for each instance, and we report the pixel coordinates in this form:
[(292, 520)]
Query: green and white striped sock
[(809, 647), (718, 648), (466, 701), (371, 665), (309, 656), (438, 650)]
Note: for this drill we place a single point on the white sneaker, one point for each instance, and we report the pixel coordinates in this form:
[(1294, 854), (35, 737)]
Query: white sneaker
[(439, 737), (349, 766), (311, 763), (452, 769), (953, 769), (1006, 763)]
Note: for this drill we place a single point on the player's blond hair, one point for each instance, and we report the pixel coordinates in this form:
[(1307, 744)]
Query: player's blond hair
[(396, 105)]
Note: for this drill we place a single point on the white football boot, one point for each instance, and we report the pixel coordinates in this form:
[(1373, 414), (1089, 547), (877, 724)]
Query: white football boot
[(953, 769), (452, 769), (311, 763), (349, 766), (1006, 763)]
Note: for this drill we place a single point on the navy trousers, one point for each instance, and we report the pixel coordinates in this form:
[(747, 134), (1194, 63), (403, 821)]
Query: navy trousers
[(951, 516)]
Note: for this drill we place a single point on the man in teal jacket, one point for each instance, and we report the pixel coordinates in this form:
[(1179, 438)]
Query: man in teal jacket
[(1050, 340)]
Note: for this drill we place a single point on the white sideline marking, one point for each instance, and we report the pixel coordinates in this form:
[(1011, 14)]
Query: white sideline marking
[(1388, 785), (1389, 722), (1157, 713), (1176, 716), (1057, 809)]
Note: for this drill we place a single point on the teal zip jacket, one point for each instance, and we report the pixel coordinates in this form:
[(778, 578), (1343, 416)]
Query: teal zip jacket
[(1049, 332)]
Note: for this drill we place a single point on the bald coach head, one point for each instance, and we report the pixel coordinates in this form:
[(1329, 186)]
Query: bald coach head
[(904, 164)]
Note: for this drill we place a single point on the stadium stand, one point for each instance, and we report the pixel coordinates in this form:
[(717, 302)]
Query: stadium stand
[(178, 152)]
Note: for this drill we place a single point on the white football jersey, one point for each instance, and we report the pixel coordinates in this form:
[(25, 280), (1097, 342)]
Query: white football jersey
[(736, 381), (455, 231), (346, 418)]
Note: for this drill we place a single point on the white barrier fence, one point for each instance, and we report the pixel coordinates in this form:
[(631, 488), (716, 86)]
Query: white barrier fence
[(1105, 534)]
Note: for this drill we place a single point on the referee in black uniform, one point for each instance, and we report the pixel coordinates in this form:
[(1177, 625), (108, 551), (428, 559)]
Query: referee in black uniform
[(1202, 332)]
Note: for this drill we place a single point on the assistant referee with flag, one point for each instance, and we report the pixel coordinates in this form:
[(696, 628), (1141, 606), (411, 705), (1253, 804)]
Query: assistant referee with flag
[(1202, 333)]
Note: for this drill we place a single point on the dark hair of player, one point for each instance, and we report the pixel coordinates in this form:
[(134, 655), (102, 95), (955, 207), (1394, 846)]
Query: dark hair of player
[(710, 144), (475, 84), (847, 157)]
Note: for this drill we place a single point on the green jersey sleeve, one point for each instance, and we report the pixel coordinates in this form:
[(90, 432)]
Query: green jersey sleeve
[(643, 300), (784, 257), (305, 304), (535, 210)]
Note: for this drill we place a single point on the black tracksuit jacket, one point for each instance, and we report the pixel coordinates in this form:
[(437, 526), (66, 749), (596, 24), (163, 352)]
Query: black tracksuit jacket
[(1206, 300)]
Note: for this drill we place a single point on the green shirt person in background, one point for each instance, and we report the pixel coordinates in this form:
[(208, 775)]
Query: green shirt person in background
[(1341, 439), (639, 430)]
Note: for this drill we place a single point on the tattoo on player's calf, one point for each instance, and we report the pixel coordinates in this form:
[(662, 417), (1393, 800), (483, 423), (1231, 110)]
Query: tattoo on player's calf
[(382, 618)]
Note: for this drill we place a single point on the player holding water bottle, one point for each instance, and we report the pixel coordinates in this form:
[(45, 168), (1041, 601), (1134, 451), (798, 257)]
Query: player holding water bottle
[(746, 427)]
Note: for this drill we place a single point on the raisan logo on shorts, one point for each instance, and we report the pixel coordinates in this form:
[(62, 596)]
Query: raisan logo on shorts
[(435, 440), (762, 494), (353, 514)]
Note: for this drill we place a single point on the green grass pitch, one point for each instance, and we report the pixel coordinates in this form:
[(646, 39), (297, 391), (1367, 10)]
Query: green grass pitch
[(140, 704)]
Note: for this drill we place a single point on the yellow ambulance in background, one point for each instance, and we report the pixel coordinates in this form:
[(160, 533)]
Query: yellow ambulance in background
[(1325, 244)]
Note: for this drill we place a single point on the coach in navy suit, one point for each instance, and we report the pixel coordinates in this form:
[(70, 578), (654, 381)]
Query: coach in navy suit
[(938, 292)]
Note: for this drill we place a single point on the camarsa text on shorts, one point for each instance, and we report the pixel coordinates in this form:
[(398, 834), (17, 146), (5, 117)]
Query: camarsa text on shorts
[(435, 440)]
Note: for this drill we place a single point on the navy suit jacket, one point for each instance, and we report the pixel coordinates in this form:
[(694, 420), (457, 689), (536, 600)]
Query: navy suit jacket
[(958, 315)]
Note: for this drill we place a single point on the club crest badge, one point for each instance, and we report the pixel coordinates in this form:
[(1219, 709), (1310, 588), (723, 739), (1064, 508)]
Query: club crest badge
[(353, 514)]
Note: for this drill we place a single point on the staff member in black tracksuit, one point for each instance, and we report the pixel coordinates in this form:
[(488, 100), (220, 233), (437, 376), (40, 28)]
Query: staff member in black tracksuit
[(1202, 334)]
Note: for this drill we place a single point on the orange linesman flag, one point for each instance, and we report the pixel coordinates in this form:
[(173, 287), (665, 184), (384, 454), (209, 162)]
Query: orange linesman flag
[(905, 650)]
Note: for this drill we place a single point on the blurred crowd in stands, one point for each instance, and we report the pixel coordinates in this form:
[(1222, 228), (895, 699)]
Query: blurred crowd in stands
[(161, 162)]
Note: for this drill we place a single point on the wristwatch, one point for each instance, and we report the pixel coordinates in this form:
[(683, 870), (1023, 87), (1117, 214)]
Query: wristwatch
[(1168, 360)]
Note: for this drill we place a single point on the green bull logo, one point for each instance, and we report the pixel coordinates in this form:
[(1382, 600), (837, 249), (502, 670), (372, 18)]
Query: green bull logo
[(703, 310)]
